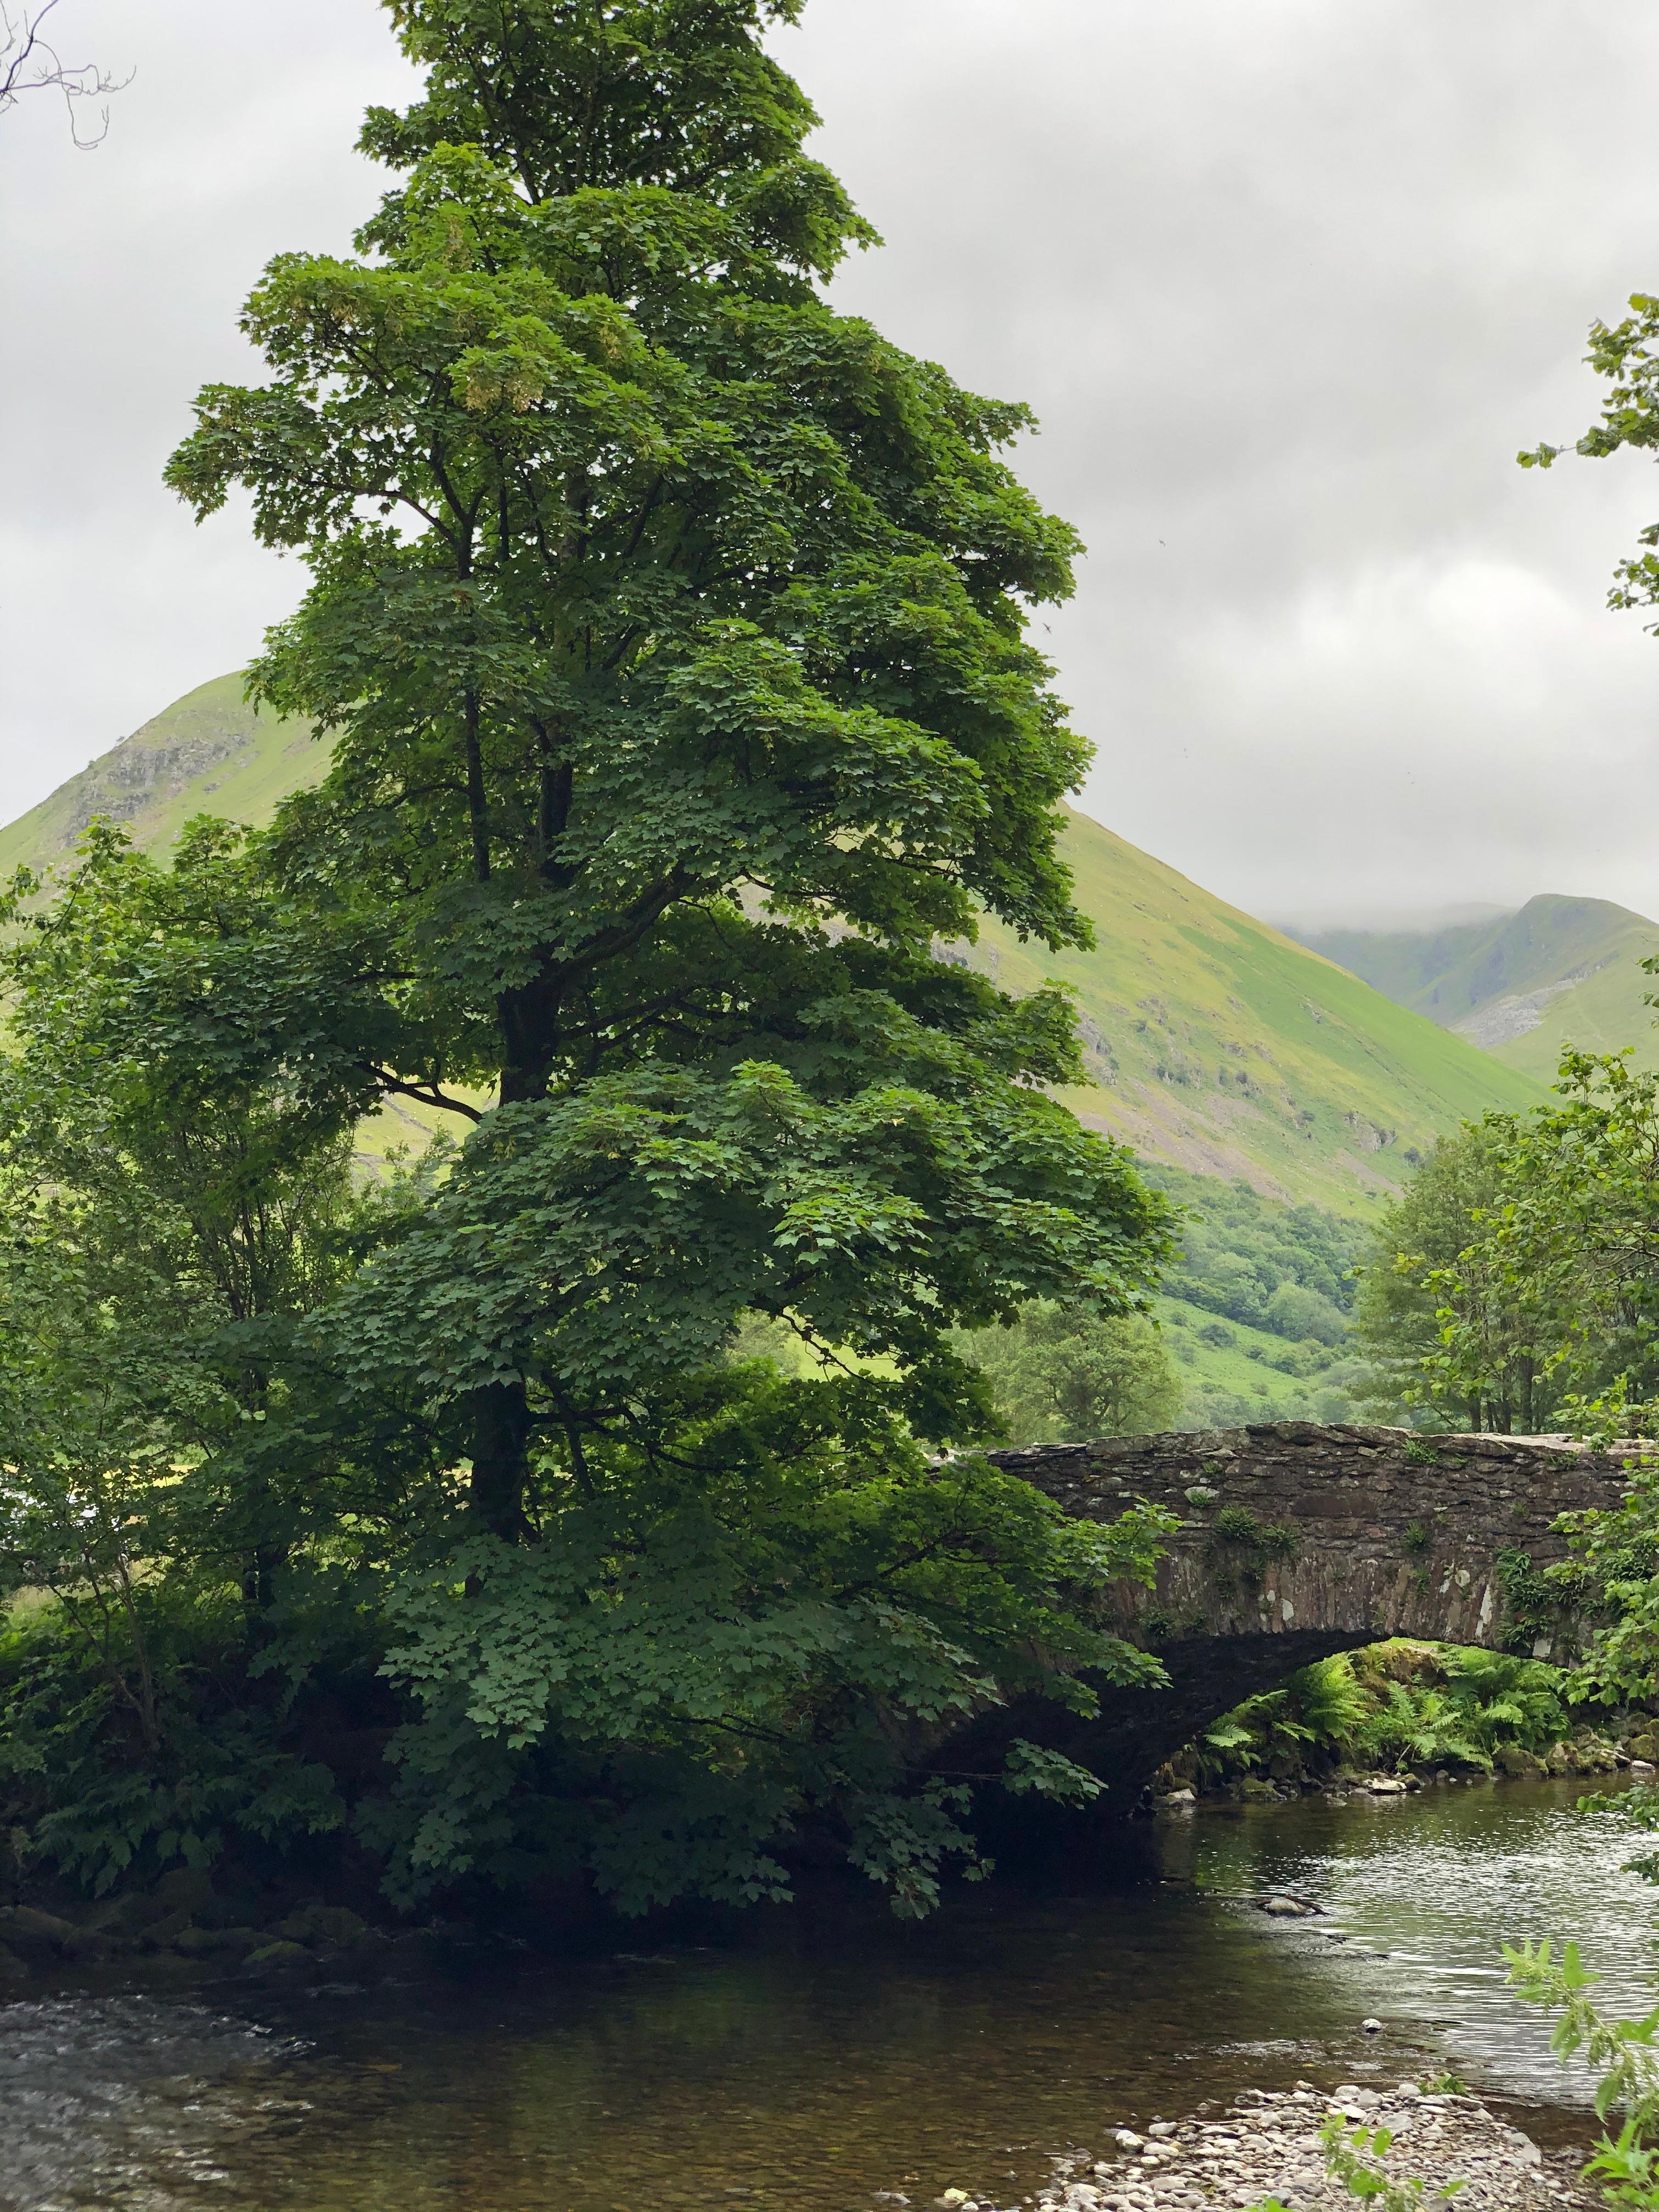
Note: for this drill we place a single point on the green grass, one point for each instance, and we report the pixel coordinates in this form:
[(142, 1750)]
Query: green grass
[(1225, 1384)]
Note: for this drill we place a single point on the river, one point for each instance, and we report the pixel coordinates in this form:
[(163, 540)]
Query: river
[(814, 2068)]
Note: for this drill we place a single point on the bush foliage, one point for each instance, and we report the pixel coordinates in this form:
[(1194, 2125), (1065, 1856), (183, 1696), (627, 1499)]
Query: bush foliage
[(1400, 1706)]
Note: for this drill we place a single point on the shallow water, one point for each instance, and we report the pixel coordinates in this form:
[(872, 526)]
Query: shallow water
[(1439, 1883), (812, 2070)]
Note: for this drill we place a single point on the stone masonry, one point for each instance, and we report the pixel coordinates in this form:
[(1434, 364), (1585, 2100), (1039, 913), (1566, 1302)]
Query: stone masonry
[(1297, 1542)]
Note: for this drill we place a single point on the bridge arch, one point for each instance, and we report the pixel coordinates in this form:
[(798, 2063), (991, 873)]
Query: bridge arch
[(1298, 1541)]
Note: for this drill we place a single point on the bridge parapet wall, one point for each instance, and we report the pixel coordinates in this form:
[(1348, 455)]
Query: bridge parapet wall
[(1351, 1532)]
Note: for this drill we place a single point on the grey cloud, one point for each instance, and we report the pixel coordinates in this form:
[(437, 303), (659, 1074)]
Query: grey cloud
[(1287, 284)]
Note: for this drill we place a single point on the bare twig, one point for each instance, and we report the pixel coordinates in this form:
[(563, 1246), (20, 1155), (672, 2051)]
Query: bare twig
[(30, 63)]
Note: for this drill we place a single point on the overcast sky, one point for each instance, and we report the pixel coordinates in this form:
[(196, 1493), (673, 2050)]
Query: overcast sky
[(1288, 281)]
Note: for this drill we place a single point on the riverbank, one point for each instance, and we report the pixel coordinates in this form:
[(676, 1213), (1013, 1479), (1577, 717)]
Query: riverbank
[(182, 1921), (1267, 2145)]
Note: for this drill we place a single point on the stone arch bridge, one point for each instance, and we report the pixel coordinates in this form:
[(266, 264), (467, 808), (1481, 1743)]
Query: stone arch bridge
[(1297, 1541)]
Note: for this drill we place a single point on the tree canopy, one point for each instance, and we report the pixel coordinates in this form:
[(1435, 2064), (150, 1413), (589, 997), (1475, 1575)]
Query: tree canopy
[(670, 628), (1513, 1285), (1062, 1374)]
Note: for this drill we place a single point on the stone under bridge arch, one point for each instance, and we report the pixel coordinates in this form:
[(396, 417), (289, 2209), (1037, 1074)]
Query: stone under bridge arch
[(1298, 1540)]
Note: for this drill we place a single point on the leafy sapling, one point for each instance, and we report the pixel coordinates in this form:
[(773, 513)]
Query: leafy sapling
[(1355, 2157), (1621, 2051)]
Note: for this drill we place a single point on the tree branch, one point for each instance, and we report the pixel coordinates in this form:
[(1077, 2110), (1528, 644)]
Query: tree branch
[(28, 63), (425, 1094)]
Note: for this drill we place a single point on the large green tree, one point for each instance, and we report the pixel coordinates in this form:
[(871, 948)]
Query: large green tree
[(171, 1475), (1451, 1333), (668, 630)]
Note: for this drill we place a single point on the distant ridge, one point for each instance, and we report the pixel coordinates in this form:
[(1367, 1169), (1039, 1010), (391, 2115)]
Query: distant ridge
[(1219, 1043), (1522, 986), (1213, 1040)]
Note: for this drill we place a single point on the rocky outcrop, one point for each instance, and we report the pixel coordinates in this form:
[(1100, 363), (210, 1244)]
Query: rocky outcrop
[(137, 773)]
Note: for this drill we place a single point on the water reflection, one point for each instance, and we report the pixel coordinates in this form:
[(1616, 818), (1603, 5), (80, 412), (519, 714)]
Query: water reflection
[(813, 2070)]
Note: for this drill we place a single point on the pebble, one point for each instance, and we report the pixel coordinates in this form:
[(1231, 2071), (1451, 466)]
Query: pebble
[(1267, 2146)]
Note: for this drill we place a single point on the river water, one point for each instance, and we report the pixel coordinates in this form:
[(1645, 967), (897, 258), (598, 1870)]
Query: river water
[(813, 2069)]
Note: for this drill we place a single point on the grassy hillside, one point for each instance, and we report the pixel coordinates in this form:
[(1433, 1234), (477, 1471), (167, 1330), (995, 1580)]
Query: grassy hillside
[(1214, 1042), (1231, 1374), (210, 752), (1521, 986), (1217, 1044)]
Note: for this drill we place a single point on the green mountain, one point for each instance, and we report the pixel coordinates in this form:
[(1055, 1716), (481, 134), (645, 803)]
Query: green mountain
[(210, 752), (1213, 1041), (1219, 1043), (1520, 986)]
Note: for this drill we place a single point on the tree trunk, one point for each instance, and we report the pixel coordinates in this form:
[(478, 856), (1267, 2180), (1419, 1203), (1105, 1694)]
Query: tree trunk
[(500, 1415), (500, 1459), (263, 1560)]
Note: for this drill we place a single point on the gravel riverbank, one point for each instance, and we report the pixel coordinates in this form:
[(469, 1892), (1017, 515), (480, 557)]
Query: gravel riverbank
[(1267, 2146)]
